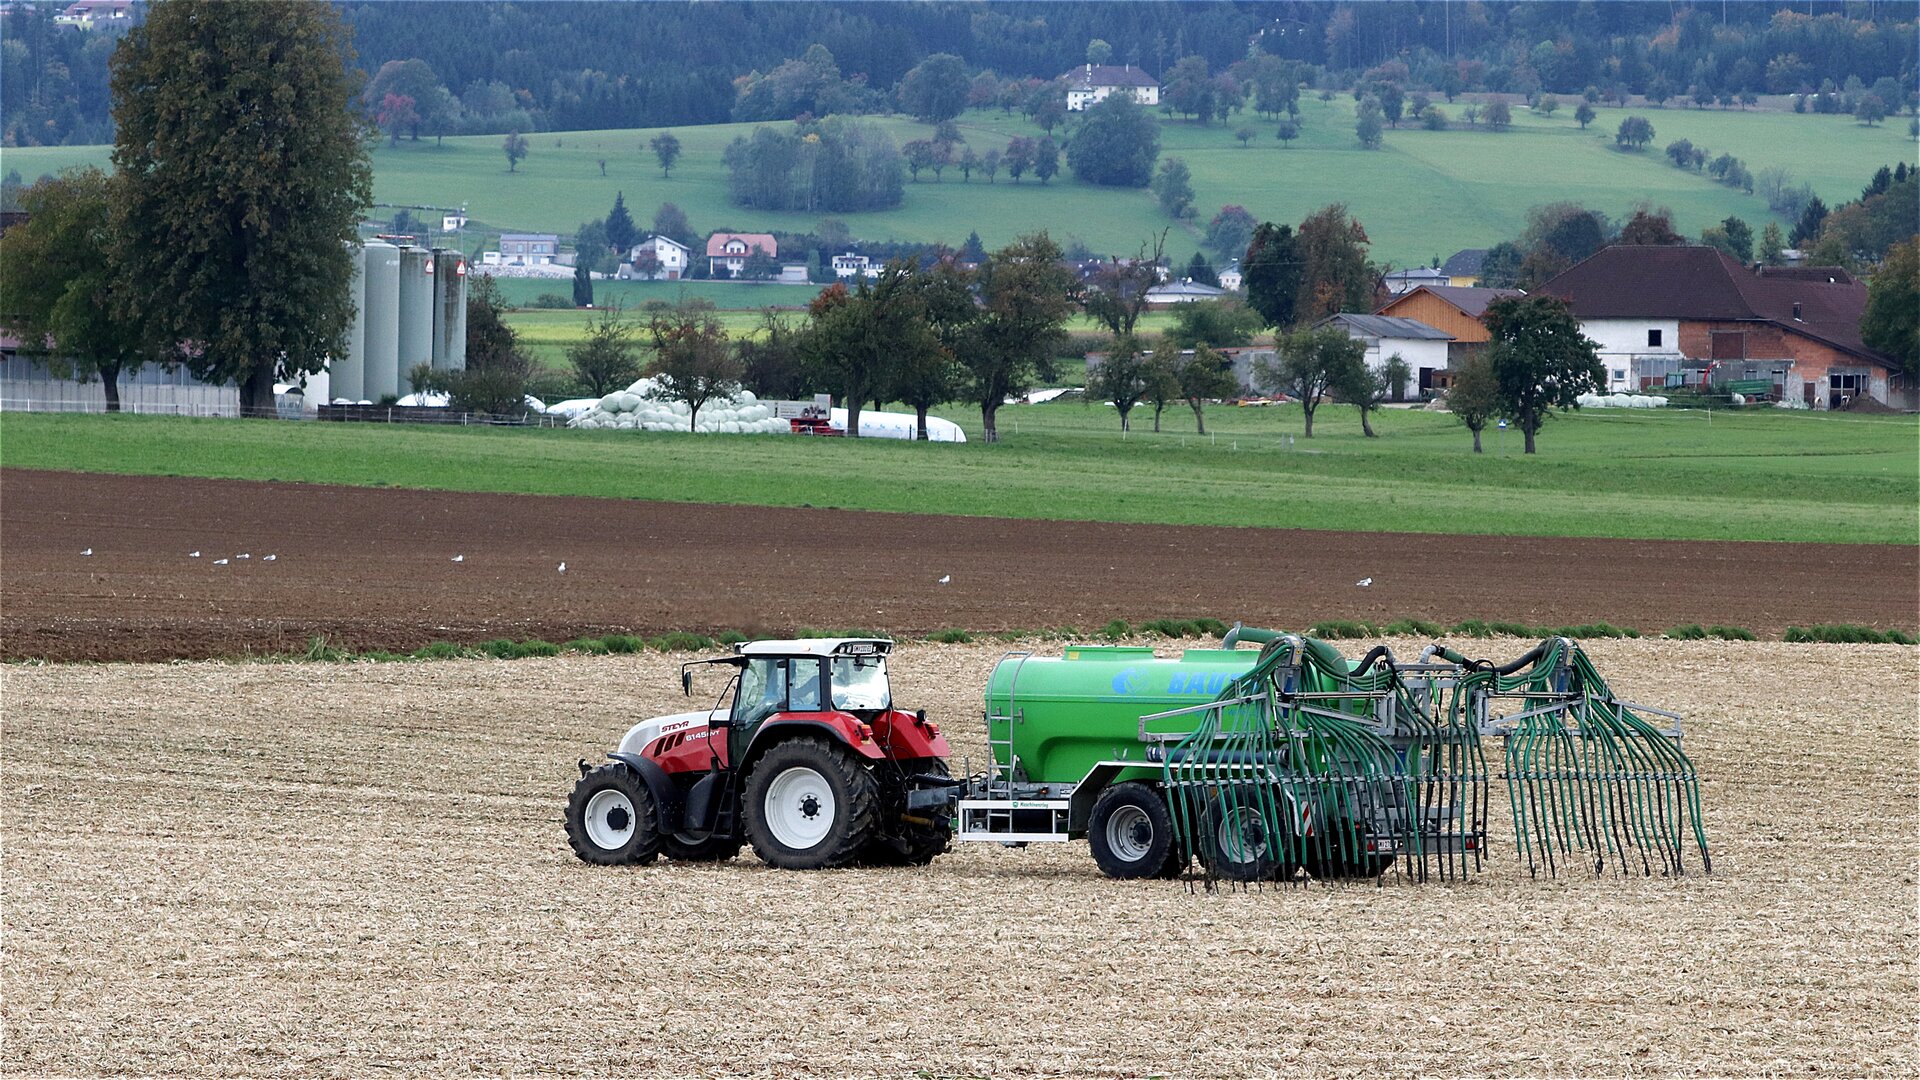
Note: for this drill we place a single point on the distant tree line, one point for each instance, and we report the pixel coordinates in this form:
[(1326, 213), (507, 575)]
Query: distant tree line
[(580, 65)]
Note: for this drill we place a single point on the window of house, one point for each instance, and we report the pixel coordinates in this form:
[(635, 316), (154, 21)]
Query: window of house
[(1653, 339), (1619, 374)]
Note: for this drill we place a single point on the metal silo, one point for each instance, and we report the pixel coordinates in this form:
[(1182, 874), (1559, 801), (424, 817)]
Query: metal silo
[(449, 310), (346, 374), (416, 310), (382, 368)]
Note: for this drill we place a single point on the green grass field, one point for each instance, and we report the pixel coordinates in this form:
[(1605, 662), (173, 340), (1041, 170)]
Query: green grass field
[(1748, 475), (1425, 194)]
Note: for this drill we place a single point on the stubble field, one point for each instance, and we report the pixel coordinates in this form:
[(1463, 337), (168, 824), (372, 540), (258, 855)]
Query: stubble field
[(338, 870)]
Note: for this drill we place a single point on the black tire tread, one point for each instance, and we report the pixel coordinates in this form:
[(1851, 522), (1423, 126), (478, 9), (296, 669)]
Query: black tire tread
[(1146, 797), (830, 760), (646, 829)]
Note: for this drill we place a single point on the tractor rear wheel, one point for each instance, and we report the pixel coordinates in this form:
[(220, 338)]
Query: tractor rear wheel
[(912, 843), (1240, 846), (1131, 833), (611, 818), (712, 849), (809, 805)]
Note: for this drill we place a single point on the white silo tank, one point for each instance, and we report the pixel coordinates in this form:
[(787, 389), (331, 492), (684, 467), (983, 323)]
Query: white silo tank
[(449, 310), (346, 374), (382, 368), (416, 310)]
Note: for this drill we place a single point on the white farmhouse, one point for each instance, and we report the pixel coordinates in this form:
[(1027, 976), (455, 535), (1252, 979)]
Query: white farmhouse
[(1090, 84)]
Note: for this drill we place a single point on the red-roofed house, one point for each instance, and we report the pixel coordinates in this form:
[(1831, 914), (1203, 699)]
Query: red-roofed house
[(1692, 315), (732, 249)]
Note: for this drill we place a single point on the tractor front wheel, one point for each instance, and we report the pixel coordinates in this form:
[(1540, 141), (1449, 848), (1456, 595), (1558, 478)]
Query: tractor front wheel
[(611, 818), (1131, 833), (809, 805)]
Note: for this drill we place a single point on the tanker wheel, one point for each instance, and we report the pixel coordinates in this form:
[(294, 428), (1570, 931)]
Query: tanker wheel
[(915, 844), (611, 818), (1131, 833), (809, 805), (685, 848), (1240, 844)]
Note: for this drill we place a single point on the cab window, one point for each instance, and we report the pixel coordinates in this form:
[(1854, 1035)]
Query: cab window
[(763, 691), (804, 695), (860, 682)]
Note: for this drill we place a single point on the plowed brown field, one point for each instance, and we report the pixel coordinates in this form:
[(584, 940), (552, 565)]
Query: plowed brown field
[(351, 870), (372, 568)]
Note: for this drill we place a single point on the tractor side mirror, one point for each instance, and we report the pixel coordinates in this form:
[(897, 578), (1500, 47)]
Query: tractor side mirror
[(686, 681), (920, 717)]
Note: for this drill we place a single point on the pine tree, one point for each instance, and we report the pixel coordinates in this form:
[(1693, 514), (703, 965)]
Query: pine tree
[(621, 231)]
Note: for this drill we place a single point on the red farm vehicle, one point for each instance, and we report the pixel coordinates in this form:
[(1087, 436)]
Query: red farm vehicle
[(811, 764)]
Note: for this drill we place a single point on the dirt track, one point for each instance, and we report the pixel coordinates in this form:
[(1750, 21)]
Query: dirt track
[(372, 568), (358, 869)]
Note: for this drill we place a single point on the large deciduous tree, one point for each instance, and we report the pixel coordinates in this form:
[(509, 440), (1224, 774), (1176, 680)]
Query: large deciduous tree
[(1891, 322), (691, 360), (244, 172), (666, 150), (1203, 376), (1313, 363), (1474, 397), (1540, 360), (1116, 293), (1335, 274), (1116, 144), (65, 291), (1122, 377), (1026, 299), (1270, 272), (936, 88), (607, 358)]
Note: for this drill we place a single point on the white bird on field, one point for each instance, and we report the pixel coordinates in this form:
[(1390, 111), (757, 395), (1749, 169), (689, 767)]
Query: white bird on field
[(563, 568), (459, 558), (268, 558), (193, 554), (244, 555), (219, 562), (947, 579), (89, 551), (1364, 582)]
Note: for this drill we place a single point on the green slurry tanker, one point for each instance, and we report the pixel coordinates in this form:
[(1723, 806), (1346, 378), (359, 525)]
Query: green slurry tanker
[(1276, 762)]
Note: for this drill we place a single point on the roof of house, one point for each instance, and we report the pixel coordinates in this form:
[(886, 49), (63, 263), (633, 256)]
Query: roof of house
[(1418, 273), (1387, 326), (1702, 283), (1471, 300), (553, 237), (660, 238), (717, 243), (1087, 76), (1467, 262), (1184, 288)]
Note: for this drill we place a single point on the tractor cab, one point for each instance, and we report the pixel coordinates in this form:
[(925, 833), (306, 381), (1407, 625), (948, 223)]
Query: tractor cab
[(827, 675)]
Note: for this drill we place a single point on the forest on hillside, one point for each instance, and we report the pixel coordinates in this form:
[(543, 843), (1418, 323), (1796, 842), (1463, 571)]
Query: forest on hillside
[(496, 67)]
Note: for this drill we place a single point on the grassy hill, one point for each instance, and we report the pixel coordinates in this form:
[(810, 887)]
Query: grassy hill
[(1759, 474), (1424, 194)]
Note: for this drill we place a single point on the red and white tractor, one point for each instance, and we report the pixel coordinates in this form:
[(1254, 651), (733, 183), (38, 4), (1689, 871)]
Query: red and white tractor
[(810, 763)]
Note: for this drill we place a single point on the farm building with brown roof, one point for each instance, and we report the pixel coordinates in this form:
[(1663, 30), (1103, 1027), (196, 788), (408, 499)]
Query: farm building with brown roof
[(1692, 316)]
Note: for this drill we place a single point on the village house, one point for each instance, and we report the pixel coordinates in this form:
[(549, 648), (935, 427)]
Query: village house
[(88, 13), (729, 252), (1422, 347), (1184, 291), (672, 259), (1090, 84), (1463, 267), (1230, 276), (1691, 316), (527, 249), (1405, 281), (1454, 309), (851, 265)]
